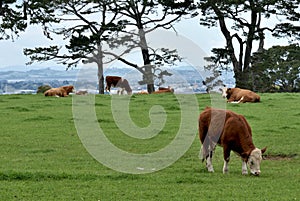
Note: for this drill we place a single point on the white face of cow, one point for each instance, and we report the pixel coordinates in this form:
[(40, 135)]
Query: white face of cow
[(254, 161), (224, 92)]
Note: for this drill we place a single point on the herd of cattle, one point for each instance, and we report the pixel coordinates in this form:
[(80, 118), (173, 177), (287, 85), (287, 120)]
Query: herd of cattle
[(216, 126)]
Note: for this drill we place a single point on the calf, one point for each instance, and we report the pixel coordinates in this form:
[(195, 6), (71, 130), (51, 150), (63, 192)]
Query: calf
[(116, 81), (237, 95), (233, 133)]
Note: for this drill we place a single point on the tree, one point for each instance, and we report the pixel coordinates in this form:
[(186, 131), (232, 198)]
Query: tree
[(13, 18), (147, 16), (86, 24), (277, 69), (246, 21)]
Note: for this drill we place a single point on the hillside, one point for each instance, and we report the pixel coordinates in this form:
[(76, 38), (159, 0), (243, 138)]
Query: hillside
[(185, 79)]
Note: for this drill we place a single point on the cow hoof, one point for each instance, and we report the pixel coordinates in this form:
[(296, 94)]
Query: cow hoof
[(210, 169), (244, 173)]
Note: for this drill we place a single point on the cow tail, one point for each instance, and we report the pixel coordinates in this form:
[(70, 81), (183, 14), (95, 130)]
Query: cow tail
[(204, 151), (207, 148), (211, 138), (201, 154)]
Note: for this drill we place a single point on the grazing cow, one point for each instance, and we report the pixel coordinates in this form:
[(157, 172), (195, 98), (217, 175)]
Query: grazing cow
[(115, 81), (233, 133), (59, 92), (164, 90), (237, 95)]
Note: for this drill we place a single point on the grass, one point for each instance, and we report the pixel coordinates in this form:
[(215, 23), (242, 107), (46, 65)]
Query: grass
[(42, 157)]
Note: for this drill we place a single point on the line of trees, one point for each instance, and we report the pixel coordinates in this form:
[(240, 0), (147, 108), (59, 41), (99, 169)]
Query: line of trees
[(95, 29)]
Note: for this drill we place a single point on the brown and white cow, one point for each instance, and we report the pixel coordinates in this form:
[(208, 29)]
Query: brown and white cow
[(60, 91), (164, 90), (233, 133), (237, 95), (119, 82)]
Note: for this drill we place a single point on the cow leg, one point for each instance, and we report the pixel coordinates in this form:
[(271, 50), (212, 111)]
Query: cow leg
[(107, 88), (122, 91), (230, 100), (225, 166), (226, 153), (209, 165), (244, 168), (241, 100)]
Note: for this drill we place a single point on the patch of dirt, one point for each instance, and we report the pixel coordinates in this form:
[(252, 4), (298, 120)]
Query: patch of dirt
[(279, 157)]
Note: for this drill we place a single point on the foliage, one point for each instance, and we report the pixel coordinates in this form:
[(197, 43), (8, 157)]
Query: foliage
[(85, 36), (42, 158), (277, 69), (241, 23), (213, 80), (13, 18)]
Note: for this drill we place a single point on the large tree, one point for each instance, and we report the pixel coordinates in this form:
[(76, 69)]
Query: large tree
[(146, 16), (85, 24), (244, 22)]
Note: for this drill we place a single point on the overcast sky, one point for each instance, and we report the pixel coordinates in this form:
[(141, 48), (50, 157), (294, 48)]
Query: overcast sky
[(11, 53)]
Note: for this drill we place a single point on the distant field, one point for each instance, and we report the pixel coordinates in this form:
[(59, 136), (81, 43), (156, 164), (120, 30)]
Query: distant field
[(42, 157)]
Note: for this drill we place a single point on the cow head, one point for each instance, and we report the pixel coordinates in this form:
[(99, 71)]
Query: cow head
[(69, 88), (254, 160), (225, 91), (126, 86)]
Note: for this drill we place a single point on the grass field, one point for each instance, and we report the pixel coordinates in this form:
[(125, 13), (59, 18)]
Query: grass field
[(42, 157)]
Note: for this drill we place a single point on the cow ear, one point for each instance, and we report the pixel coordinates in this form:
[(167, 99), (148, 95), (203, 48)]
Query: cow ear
[(263, 150)]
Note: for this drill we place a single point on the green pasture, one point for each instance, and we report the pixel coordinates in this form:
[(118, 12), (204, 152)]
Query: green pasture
[(42, 157)]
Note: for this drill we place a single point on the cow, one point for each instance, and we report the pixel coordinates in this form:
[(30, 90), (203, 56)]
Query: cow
[(119, 82), (60, 92), (237, 95), (142, 92), (164, 90), (82, 92), (232, 132)]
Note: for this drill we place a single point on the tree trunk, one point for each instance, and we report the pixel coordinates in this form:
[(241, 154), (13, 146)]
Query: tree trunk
[(242, 79), (101, 83), (148, 74), (99, 60)]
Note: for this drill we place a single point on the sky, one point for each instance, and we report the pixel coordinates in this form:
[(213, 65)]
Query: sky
[(11, 53)]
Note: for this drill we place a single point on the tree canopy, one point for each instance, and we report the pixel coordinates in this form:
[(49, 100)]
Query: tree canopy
[(277, 69), (13, 18), (244, 22)]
